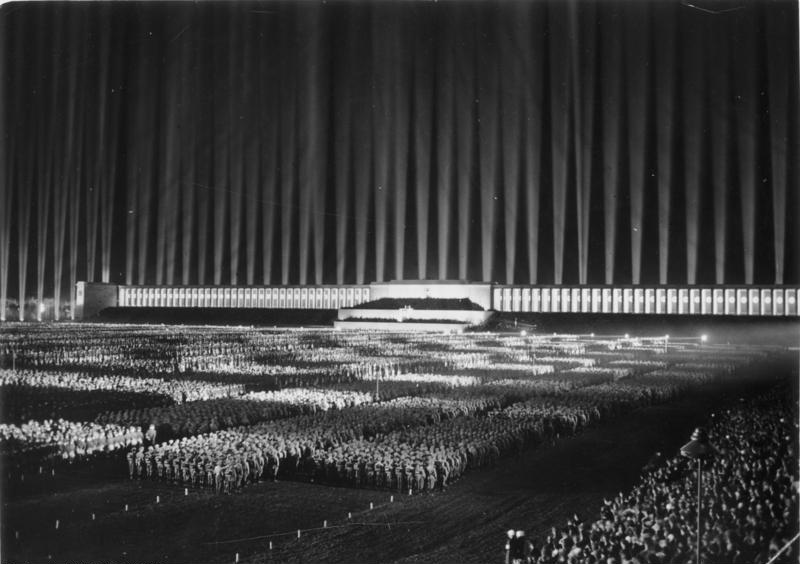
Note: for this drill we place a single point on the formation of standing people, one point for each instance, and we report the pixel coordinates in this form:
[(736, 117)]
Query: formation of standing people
[(750, 500)]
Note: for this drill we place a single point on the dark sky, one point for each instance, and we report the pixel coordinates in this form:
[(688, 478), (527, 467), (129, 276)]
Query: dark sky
[(285, 142)]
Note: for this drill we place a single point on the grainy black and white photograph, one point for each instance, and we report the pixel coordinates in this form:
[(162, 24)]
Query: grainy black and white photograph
[(429, 282)]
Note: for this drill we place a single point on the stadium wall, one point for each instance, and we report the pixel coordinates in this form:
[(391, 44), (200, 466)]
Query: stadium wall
[(780, 301)]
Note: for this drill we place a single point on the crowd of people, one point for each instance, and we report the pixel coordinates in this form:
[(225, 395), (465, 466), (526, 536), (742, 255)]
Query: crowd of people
[(358, 405), (749, 503), (62, 439), (19, 403), (179, 390), (201, 417), (412, 442)]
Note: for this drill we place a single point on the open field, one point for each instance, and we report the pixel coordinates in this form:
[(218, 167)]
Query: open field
[(588, 412)]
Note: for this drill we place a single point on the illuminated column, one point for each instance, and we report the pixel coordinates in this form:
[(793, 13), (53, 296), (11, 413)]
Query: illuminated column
[(665, 97), (637, 67), (559, 118)]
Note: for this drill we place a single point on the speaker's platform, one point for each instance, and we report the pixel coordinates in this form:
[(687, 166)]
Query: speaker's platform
[(414, 314)]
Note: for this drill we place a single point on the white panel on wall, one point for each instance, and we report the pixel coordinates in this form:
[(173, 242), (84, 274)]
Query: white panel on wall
[(672, 300), (719, 301), (766, 302), (555, 300), (507, 299), (792, 297), (616, 300), (546, 302), (536, 300), (753, 302), (627, 301), (575, 300), (661, 300), (741, 301), (730, 301), (516, 299), (597, 297), (608, 300), (586, 300), (695, 301), (778, 302), (649, 300), (566, 299), (683, 300), (526, 299)]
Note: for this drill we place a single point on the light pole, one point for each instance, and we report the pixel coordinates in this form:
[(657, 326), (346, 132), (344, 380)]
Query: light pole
[(698, 448)]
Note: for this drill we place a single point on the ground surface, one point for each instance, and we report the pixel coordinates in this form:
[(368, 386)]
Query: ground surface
[(464, 524)]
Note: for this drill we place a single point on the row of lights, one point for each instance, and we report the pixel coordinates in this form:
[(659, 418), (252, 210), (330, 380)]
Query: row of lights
[(674, 299)]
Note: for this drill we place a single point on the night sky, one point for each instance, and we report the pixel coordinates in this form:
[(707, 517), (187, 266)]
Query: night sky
[(283, 142)]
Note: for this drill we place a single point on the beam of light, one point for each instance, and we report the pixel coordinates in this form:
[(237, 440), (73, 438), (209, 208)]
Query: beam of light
[(96, 154), (488, 80), (171, 168), (464, 126), (103, 156), (383, 60), (665, 96), (720, 144), (532, 18), (612, 117), (777, 72), (204, 151), (188, 150), (236, 145), (362, 158), (268, 122), (423, 101), (288, 126), (342, 155), (77, 173), (269, 182), (401, 110), (746, 96), (583, 92), (143, 142), (306, 123), (637, 68), (692, 142), (559, 130), (44, 167), (313, 163), (63, 138), (513, 34), (24, 177), (91, 207), (61, 192), (445, 114), (67, 195), (7, 144), (221, 148), (251, 154), (109, 174)]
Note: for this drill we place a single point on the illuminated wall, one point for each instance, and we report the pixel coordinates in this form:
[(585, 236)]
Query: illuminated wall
[(267, 297), (686, 300), (671, 300)]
